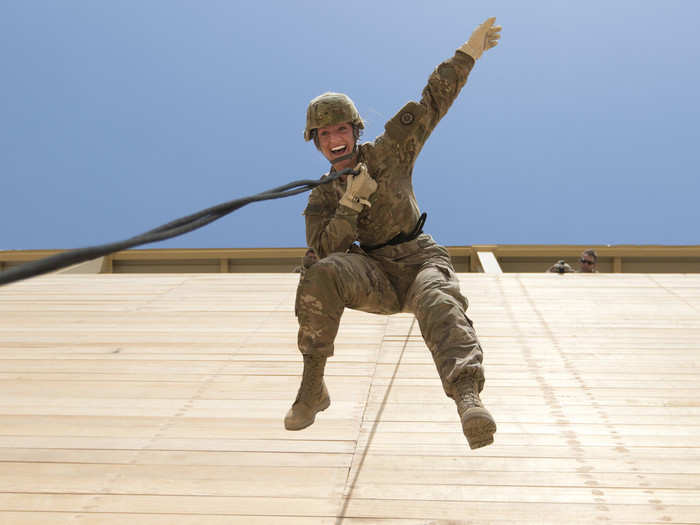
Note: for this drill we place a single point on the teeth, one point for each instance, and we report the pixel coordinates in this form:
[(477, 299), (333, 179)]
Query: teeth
[(337, 149)]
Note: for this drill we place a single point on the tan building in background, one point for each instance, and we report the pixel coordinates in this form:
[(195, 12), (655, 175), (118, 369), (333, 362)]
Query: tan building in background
[(492, 258)]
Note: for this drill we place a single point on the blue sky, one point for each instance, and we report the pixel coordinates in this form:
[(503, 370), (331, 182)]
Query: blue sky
[(581, 126)]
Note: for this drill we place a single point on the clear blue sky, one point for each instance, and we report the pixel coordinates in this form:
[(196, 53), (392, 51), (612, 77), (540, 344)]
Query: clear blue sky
[(581, 126)]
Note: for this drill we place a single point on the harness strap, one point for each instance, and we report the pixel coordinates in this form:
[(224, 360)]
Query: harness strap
[(401, 237)]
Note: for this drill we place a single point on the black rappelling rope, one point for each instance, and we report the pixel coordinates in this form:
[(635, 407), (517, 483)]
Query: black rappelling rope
[(161, 233)]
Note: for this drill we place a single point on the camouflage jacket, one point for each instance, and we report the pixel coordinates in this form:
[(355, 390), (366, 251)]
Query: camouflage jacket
[(331, 227)]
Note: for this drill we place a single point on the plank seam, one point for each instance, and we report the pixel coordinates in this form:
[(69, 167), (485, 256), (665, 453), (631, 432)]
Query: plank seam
[(348, 490)]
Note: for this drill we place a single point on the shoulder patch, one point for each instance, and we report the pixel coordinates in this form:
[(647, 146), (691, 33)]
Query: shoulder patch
[(405, 121)]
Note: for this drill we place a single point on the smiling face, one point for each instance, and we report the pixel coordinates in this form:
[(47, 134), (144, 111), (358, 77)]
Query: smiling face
[(336, 141)]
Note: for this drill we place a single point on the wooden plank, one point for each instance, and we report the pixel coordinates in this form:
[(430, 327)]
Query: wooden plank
[(177, 457), (490, 512), (90, 517), (263, 445), (166, 479), (150, 504)]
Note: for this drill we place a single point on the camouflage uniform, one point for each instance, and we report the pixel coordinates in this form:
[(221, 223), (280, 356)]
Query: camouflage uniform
[(415, 276)]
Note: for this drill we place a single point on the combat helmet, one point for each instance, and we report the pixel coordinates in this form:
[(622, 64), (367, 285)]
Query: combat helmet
[(330, 109)]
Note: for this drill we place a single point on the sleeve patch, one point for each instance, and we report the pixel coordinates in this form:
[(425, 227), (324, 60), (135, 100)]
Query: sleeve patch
[(403, 124)]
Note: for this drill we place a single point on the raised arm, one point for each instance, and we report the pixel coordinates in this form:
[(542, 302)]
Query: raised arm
[(418, 119)]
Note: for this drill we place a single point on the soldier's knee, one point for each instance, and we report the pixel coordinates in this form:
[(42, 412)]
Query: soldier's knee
[(324, 270), (330, 269), (435, 282), (440, 296)]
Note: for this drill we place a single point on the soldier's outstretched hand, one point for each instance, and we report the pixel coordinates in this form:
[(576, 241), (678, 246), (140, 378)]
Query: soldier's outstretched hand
[(484, 37)]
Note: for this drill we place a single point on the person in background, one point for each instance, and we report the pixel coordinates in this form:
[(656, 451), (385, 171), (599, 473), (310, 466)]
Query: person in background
[(588, 263), (307, 261)]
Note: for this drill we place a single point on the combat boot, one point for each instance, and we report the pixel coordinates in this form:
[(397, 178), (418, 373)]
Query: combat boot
[(477, 424), (312, 396)]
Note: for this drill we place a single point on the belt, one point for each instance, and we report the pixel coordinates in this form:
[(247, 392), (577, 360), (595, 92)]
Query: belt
[(401, 237)]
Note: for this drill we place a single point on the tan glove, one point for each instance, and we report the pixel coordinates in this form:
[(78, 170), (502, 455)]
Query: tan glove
[(484, 37), (358, 189)]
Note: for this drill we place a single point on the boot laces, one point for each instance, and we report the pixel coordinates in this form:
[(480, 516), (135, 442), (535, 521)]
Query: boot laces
[(468, 394), (309, 378), (471, 398)]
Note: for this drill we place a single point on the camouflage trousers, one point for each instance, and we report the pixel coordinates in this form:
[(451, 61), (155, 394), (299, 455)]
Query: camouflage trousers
[(415, 277)]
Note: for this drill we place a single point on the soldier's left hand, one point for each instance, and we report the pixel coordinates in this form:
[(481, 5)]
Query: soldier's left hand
[(358, 189), (483, 38)]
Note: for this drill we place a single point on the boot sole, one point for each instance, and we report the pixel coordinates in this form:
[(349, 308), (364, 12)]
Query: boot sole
[(479, 428), (310, 421)]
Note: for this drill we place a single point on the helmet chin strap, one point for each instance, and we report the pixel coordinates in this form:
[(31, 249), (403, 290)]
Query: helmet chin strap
[(345, 157)]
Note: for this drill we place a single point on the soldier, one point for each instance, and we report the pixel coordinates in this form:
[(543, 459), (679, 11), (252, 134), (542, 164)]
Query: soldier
[(588, 263), (395, 268), (307, 261)]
